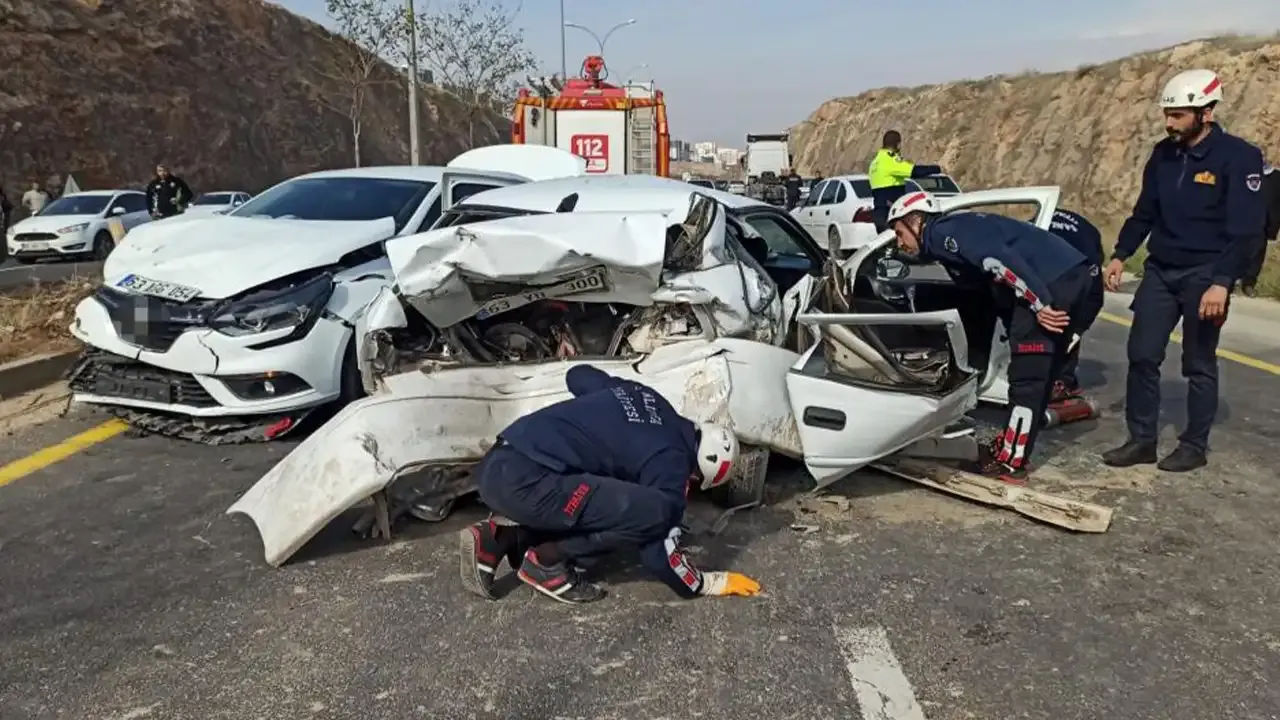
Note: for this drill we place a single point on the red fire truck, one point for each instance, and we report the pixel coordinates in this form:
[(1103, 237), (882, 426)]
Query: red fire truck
[(617, 129)]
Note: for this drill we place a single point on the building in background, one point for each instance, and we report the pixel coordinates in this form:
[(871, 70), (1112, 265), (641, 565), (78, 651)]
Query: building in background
[(681, 151), (704, 152), (728, 157)]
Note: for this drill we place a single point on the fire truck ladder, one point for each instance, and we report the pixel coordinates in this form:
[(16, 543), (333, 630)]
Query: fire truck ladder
[(640, 144)]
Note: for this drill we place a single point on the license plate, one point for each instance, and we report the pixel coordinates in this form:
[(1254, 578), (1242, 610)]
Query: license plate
[(157, 288), (38, 245), (593, 280), (153, 390)]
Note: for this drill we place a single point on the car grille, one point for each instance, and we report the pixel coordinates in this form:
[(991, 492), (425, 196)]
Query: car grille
[(32, 237), (150, 322), (103, 373)]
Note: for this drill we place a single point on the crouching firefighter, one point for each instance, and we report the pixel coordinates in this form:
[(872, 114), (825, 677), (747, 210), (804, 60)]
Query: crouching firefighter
[(605, 470), (1040, 283)]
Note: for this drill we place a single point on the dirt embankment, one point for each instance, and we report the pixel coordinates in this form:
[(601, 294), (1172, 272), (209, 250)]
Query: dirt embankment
[(1088, 130), (232, 94)]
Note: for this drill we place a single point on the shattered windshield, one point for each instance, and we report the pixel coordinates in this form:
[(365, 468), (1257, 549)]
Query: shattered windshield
[(340, 198)]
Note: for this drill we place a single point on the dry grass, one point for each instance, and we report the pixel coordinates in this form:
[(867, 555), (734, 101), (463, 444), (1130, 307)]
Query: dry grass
[(34, 319)]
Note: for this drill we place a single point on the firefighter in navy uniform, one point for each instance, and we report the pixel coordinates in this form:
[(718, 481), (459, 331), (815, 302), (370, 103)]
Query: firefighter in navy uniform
[(607, 469), (888, 175), (1202, 205), (1087, 240), (1041, 283), (1258, 256)]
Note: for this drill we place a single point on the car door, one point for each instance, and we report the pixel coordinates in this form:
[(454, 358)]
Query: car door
[(804, 213), (135, 205), (822, 211), (873, 384), (794, 261)]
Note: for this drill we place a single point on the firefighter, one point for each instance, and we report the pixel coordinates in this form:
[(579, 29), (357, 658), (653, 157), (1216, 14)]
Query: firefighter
[(1041, 283), (888, 176), (1258, 254), (1087, 240), (607, 469), (167, 194), (1201, 203)]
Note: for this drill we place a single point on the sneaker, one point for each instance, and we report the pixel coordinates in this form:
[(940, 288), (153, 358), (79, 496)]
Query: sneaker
[(1004, 472), (558, 582), (1129, 454), (479, 553), (1184, 458), (1062, 392), (1249, 291)]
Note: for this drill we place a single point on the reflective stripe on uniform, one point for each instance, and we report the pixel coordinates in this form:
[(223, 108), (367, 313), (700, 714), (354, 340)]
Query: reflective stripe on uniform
[(888, 169)]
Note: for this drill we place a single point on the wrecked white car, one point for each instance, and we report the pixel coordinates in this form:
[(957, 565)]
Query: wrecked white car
[(679, 289)]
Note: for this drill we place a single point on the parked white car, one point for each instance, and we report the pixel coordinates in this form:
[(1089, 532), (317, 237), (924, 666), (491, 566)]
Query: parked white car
[(76, 226), (837, 211), (217, 203), (234, 327), (646, 279)]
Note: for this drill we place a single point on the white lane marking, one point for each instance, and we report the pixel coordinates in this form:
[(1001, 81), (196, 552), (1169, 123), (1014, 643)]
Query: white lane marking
[(883, 691)]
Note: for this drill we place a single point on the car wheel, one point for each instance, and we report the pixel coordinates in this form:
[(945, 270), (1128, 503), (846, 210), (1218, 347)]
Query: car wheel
[(746, 484), (103, 244), (833, 242), (352, 385)]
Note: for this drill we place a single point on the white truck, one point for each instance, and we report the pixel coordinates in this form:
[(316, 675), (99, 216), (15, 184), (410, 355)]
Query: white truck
[(768, 160)]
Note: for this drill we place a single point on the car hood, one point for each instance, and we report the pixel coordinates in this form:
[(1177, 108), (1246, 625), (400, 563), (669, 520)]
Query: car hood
[(51, 223), (222, 256), (207, 210)]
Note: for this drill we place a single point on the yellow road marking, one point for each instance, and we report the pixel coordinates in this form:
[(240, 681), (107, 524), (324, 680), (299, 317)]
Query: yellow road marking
[(1231, 355), (42, 459)]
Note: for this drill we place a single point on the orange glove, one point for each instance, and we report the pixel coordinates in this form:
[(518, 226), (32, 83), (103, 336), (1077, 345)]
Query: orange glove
[(729, 583)]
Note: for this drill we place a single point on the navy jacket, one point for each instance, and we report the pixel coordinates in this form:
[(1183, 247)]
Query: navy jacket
[(619, 429), (1199, 205), (1017, 254), (1271, 196)]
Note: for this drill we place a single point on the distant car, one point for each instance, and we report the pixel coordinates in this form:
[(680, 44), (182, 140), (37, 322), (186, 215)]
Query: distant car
[(721, 185), (217, 203), (837, 211), (699, 182), (76, 226), (737, 187)]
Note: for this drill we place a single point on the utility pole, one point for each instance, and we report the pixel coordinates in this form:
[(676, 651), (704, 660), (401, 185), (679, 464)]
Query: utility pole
[(414, 158), (564, 57)]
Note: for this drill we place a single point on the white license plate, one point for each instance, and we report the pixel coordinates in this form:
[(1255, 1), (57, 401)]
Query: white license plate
[(38, 245), (593, 280), (157, 288)]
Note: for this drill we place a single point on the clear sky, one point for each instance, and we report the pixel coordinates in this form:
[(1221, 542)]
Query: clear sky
[(729, 67)]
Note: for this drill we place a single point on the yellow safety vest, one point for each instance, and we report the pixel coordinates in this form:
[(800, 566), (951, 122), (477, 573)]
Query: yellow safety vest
[(888, 169)]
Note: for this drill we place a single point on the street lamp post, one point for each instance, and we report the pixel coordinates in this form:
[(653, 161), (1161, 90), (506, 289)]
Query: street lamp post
[(411, 21), (599, 42), (564, 58)]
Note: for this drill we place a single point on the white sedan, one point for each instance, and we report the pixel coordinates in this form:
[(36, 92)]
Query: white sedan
[(230, 328), (217, 203), (655, 280), (76, 226)]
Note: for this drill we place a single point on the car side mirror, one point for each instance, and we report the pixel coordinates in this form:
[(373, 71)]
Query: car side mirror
[(118, 210), (891, 269)]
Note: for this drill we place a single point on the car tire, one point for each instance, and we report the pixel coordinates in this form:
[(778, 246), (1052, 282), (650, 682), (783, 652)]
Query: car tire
[(103, 244), (352, 387), (833, 242), (746, 484)]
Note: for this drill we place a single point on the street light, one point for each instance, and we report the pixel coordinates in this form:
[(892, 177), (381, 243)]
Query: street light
[(599, 42)]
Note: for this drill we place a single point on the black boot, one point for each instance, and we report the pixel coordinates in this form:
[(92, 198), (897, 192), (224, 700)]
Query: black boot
[(1130, 454), (1184, 458)]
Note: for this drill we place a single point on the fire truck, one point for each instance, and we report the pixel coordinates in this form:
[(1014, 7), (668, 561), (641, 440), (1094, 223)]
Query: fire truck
[(617, 130)]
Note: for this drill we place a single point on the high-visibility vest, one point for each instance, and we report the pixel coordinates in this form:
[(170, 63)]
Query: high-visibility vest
[(888, 170)]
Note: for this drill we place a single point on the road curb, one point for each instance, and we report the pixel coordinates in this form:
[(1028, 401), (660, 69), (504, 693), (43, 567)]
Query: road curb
[(27, 374)]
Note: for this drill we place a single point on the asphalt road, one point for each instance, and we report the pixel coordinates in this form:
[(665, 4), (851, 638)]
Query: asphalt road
[(14, 275), (126, 593)]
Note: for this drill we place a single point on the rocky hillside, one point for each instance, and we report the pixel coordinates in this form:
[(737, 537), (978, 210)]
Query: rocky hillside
[(232, 94), (1088, 130)]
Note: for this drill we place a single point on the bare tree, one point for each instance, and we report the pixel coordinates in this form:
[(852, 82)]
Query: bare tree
[(374, 29), (476, 50)]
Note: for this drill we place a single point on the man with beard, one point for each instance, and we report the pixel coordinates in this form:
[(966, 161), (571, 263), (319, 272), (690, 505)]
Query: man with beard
[(167, 194), (1202, 205)]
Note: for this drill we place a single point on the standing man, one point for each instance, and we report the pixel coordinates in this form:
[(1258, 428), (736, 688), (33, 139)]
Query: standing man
[(793, 190), (1201, 204), (888, 176), (167, 195), (1040, 283), (1258, 254), (35, 199), (1087, 240), (605, 470)]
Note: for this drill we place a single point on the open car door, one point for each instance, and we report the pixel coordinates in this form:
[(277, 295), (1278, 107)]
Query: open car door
[(873, 384)]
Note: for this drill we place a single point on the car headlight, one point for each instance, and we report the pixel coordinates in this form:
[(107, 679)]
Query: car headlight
[(297, 307), (8, 234), (72, 228)]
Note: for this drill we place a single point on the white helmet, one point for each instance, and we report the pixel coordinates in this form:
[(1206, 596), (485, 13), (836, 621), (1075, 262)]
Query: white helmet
[(920, 201), (717, 452), (1192, 88)]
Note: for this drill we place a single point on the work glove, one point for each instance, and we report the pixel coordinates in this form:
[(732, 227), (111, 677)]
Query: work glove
[(729, 583)]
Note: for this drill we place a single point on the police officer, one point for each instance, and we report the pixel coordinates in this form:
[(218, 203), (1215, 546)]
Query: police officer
[(167, 194), (1258, 255), (1201, 203), (888, 176), (1040, 282), (1087, 240), (793, 184), (604, 470)]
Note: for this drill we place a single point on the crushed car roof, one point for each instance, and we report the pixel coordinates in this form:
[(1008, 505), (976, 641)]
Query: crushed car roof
[(641, 192)]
